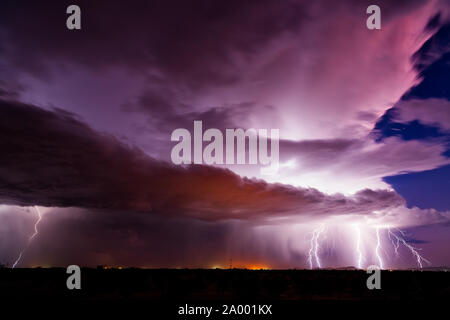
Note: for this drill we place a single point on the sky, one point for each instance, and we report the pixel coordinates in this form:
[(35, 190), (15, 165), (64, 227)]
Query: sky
[(86, 118)]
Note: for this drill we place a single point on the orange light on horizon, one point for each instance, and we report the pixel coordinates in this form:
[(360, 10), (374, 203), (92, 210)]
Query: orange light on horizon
[(257, 267), (247, 266)]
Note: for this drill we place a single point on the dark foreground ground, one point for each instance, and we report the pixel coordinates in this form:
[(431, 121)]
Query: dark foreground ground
[(289, 292)]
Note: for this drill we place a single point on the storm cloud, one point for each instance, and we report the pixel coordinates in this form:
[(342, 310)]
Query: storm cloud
[(52, 159), (86, 117)]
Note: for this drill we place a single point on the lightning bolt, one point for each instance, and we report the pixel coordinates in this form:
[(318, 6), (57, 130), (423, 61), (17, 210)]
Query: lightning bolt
[(30, 239), (400, 239), (358, 246), (383, 233), (314, 248), (377, 249), (395, 242)]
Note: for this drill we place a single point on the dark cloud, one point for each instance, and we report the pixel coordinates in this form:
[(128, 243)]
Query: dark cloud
[(186, 40), (9, 91), (52, 159), (166, 113), (198, 43)]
